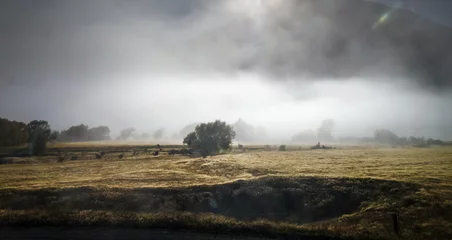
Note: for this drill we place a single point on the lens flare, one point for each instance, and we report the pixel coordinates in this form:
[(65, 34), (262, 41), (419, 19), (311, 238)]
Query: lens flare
[(383, 19), (387, 15)]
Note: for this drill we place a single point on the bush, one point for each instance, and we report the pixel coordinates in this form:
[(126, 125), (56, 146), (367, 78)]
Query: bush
[(282, 148), (210, 138)]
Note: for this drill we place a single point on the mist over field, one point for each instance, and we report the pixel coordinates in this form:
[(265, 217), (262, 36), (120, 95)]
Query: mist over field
[(283, 66)]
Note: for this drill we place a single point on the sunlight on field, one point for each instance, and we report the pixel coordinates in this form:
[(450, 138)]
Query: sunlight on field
[(427, 166), (104, 188)]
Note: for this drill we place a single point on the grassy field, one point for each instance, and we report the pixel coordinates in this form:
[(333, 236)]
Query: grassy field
[(347, 192)]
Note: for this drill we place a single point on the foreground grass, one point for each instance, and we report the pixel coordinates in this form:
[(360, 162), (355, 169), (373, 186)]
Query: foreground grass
[(203, 223), (425, 213)]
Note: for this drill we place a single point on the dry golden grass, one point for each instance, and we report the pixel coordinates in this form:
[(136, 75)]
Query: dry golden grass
[(425, 214), (431, 166)]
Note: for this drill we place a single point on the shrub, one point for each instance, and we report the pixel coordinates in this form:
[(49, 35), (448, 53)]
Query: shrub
[(282, 148)]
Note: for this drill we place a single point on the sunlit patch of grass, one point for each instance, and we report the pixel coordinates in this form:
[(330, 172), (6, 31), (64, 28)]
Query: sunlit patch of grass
[(425, 214)]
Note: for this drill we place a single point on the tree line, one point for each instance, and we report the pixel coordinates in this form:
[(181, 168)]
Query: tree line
[(13, 133), (82, 133), (385, 136), (36, 133)]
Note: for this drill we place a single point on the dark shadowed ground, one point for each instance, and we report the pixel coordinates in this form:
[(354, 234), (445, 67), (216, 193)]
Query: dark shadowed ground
[(104, 233), (117, 234)]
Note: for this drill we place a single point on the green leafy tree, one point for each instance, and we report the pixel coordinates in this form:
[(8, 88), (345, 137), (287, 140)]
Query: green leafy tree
[(210, 138), (39, 132)]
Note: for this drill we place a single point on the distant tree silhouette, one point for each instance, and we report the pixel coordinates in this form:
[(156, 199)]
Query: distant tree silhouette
[(13, 133), (324, 132), (385, 136), (39, 132), (75, 134), (144, 136), (83, 133), (210, 138), (305, 136), (244, 131), (158, 134), (99, 133), (126, 134), (54, 135)]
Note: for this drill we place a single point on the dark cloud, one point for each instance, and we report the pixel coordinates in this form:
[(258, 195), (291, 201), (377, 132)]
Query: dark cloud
[(353, 38), (114, 62), (44, 40)]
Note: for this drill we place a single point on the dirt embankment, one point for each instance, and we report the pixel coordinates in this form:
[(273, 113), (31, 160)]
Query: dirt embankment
[(296, 200)]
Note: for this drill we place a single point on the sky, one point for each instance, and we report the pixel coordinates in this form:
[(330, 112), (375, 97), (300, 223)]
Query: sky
[(169, 63), (435, 10)]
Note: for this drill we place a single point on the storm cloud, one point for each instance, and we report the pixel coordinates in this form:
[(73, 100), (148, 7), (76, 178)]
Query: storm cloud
[(167, 63)]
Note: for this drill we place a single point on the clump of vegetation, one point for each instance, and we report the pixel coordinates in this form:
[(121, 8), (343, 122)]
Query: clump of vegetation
[(126, 134), (210, 138), (158, 134), (282, 148), (384, 136), (39, 132), (12, 133), (60, 159), (100, 155), (82, 133)]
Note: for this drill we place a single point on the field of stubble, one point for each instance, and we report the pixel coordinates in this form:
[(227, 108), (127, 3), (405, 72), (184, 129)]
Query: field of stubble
[(345, 192)]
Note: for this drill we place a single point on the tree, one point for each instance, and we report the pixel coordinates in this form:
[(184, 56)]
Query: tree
[(324, 132), (210, 138), (99, 133), (75, 133), (54, 135), (13, 133), (244, 131), (144, 136), (385, 136), (305, 137), (83, 133), (158, 134), (126, 133), (39, 132)]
